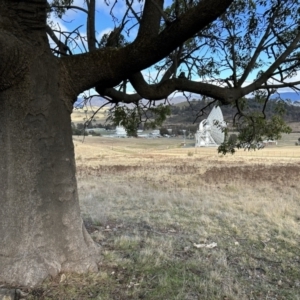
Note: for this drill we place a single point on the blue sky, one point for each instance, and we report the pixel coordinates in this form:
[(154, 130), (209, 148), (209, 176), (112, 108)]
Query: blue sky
[(105, 22)]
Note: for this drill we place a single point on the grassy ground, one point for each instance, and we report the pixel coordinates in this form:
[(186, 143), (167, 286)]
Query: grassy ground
[(81, 115), (185, 223)]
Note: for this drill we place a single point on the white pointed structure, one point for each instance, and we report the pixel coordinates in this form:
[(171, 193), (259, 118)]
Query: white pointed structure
[(120, 131), (210, 132)]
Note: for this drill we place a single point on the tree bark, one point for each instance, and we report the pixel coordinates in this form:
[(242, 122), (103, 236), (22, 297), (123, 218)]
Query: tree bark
[(41, 228)]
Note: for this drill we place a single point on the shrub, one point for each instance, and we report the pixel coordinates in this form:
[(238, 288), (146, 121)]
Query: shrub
[(163, 131), (190, 153), (232, 139), (76, 131)]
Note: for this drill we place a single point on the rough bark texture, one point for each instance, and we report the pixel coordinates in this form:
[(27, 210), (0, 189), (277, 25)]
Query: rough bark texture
[(41, 230), (40, 226)]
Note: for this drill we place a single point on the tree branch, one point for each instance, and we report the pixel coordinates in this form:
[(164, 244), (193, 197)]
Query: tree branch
[(268, 73), (259, 48), (164, 89), (71, 7), (160, 9), (100, 67), (63, 49), (150, 22), (279, 86), (119, 96), (90, 25), (133, 11)]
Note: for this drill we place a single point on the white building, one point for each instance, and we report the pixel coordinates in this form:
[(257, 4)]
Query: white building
[(210, 132), (120, 131)]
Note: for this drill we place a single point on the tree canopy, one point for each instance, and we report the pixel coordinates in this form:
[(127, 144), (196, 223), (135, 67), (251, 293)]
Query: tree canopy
[(223, 50), (43, 69), (252, 49)]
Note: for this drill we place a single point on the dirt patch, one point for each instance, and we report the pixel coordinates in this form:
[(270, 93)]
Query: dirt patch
[(260, 173)]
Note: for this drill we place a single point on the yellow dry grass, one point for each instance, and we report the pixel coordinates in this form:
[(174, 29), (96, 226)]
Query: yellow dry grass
[(149, 203), (81, 115)]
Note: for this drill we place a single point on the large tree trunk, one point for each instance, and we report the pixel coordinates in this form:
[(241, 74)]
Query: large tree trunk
[(41, 231)]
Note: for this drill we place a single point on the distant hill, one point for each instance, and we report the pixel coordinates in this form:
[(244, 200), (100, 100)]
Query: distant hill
[(290, 97), (187, 114), (96, 101)]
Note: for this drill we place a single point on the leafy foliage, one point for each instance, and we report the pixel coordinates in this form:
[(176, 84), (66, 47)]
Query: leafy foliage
[(248, 39), (253, 128), (132, 118), (255, 43)]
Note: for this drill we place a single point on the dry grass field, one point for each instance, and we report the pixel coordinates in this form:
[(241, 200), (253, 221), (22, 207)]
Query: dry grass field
[(81, 115), (186, 223)]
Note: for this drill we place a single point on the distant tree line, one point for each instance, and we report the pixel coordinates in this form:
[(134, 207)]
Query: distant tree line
[(191, 112), (188, 117), (177, 129), (80, 128)]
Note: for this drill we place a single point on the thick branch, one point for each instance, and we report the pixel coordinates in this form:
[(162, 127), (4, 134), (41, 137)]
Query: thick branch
[(90, 26), (118, 96), (160, 9), (106, 65), (150, 22), (164, 89)]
